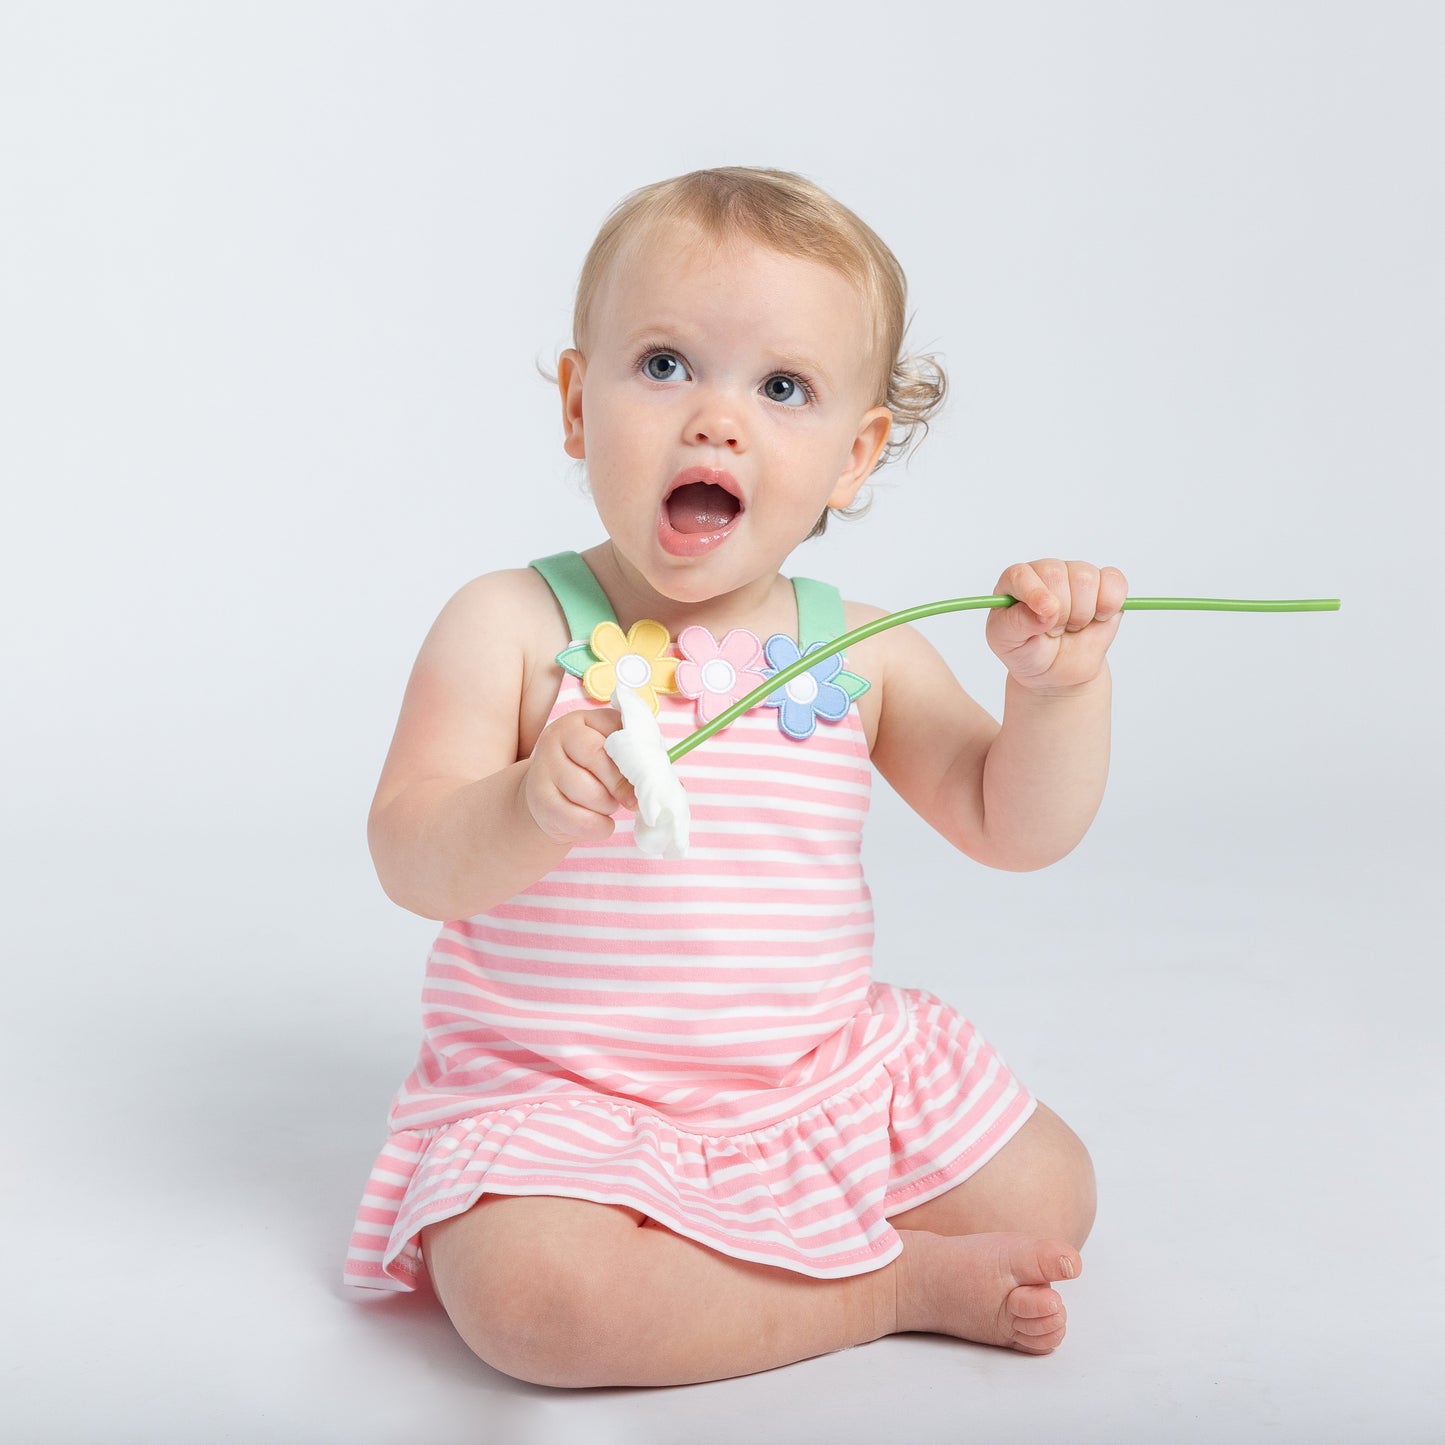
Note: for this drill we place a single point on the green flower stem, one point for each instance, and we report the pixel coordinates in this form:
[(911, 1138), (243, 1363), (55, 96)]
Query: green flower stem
[(1228, 604), (785, 675)]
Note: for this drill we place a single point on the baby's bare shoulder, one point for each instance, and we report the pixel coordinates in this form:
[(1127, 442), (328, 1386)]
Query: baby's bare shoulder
[(469, 694), (493, 592), (504, 611), (483, 650), (856, 614), (900, 643)]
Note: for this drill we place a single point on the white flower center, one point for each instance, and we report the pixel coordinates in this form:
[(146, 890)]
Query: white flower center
[(635, 671), (803, 689), (718, 676)]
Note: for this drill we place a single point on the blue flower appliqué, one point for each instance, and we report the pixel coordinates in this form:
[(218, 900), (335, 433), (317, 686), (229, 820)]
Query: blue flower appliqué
[(811, 695)]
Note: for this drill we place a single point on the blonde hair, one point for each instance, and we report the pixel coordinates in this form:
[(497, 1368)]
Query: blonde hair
[(791, 215)]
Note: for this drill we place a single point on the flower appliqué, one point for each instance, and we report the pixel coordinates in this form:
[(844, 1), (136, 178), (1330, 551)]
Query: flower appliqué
[(717, 674), (823, 691), (637, 660), (713, 674)]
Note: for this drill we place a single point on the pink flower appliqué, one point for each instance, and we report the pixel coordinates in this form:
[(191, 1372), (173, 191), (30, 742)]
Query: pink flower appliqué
[(717, 673)]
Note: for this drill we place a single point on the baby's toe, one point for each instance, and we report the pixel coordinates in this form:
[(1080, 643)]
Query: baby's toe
[(1033, 1302), (1037, 1319), (1038, 1344)]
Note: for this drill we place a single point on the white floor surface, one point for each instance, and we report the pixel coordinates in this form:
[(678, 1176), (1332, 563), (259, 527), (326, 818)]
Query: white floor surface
[(1245, 1042)]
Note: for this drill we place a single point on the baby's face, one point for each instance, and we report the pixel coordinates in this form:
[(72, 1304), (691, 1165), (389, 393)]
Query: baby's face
[(724, 401)]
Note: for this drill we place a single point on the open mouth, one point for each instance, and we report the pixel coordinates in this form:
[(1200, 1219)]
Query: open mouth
[(698, 511), (701, 507)]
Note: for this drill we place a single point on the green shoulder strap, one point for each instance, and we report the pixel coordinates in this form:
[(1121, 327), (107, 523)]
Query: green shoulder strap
[(583, 602), (820, 611), (820, 619)]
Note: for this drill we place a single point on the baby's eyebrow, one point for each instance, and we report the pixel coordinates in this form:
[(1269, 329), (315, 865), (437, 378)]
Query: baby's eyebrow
[(659, 333), (808, 365)]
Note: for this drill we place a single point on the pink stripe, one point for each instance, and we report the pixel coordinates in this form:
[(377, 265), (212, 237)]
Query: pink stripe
[(599, 996), (592, 957), (712, 924), (703, 792), (760, 893), (504, 946), (765, 1060), (791, 971), (772, 844), (585, 861)]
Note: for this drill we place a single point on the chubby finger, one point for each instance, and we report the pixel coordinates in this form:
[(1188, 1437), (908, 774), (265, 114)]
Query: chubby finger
[(559, 817), (603, 720), (1037, 607), (584, 747), (586, 792), (1083, 596), (1113, 592)]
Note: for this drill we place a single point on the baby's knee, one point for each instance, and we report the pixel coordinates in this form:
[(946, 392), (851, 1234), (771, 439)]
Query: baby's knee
[(1076, 1187), (534, 1314), (1086, 1197)]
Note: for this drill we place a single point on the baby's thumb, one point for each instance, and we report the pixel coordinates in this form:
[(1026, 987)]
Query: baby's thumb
[(1026, 618)]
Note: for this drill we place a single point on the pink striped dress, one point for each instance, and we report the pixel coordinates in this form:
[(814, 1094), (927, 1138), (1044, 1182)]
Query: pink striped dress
[(698, 1039)]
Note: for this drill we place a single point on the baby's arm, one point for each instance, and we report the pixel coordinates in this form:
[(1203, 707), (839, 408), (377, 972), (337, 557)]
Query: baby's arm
[(1022, 794), (478, 799)]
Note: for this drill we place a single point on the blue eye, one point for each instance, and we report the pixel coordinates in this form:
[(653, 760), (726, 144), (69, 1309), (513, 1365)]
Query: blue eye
[(665, 366), (785, 390)]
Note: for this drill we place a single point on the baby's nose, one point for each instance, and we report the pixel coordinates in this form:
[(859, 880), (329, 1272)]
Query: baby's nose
[(715, 421)]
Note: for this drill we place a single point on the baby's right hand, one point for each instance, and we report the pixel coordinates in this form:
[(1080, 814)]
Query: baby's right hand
[(573, 787)]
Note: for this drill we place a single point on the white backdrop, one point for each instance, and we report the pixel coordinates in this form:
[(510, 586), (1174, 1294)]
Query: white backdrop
[(274, 284)]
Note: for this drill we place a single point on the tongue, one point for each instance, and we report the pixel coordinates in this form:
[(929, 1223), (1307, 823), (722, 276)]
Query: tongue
[(701, 507)]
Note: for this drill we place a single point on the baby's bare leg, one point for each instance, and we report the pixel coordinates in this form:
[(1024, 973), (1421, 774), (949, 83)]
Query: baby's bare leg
[(564, 1292), (1041, 1183)]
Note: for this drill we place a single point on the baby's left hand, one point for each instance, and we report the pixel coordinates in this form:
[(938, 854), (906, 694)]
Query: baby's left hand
[(1056, 634)]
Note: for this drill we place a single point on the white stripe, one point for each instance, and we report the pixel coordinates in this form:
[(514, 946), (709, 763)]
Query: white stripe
[(843, 846), (779, 787), (699, 1023), (688, 906), (721, 988), (698, 887), (762, 820), (786, 951), (586, 1038), (518, 928)]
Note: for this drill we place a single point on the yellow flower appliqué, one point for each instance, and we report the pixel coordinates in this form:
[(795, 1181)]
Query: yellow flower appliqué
[(636, 659)]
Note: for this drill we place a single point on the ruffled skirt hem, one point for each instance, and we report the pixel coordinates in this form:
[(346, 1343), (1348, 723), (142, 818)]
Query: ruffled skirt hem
[(812, 1193)]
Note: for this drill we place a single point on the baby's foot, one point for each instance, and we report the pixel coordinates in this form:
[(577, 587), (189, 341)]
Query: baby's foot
[(991, 1288)]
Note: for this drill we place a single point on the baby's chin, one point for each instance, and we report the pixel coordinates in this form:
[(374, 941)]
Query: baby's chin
[(729, 567)]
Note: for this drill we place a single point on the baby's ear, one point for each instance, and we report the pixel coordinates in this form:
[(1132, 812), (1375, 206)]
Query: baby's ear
[(571, 368), (867, 448)]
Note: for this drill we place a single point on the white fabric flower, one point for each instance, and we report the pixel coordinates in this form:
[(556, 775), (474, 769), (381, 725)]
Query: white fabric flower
[(638, 750)]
